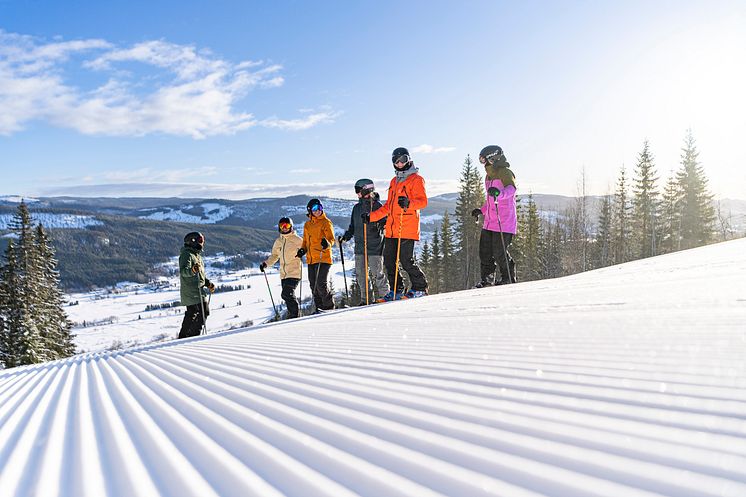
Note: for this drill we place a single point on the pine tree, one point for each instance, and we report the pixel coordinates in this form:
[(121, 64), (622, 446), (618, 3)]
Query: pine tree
[(467, 230), (434, 277), (533, 265), (21, 342), (621, 243), (54, 324), (552, 250), (424, 260), (670, 225), (602, 253), (450, 270), (645, 205), (697, 211)]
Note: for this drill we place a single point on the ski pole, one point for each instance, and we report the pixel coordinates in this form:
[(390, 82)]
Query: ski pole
[(398, 250), (502, 240), (277, 315), (344, 272), (300, 291), (365, 252), (315, 284), (203, 331)]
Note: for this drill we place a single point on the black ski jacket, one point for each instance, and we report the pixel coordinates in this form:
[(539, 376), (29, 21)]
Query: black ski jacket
[(375, 229)]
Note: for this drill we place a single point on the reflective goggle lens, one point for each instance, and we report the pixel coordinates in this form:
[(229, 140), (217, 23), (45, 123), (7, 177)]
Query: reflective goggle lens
[(316, 207), (402, 158), (286, 226)]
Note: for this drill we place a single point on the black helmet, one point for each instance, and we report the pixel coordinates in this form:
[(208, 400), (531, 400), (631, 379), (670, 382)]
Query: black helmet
[(491, 154), (314, 205), (195, 240), (284, 221), (401, 153), (364, 186)]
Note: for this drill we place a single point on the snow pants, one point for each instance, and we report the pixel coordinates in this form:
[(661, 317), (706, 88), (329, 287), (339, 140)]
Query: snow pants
[(191, 326), (288, 295), (318, 277), (408, 264), (491, 254), (377, 276)]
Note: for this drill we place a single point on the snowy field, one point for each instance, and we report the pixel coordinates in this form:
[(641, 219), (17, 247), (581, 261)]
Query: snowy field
[(628, 381), (115, 319)]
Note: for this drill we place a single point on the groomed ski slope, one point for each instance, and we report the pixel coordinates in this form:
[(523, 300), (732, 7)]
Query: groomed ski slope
[(626, 381)]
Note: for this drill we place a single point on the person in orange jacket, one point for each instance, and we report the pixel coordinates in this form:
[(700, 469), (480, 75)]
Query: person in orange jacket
[(406, 198), (318, 238)]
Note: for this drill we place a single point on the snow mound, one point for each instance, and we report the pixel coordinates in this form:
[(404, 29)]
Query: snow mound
[(626, 381)]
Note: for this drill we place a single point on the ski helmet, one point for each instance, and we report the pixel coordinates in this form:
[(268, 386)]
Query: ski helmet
[(401, 154), (284, 222), (195, 240), (364, 186), (314, 205), (491, 154)]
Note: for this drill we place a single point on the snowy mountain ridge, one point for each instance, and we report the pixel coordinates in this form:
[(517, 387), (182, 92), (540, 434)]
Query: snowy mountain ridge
[(624, 381), (51, 220)]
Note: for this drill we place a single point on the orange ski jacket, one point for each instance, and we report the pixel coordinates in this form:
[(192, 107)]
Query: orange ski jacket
[(413, 187)]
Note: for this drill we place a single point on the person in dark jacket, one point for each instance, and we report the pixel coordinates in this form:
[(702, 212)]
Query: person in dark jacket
[(193, 280), (373, 257)]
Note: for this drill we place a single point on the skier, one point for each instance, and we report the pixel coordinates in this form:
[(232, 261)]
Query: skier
[(318, 238), (372, 240), (500, 219), (284, 249), (405, 199), (193, 280)]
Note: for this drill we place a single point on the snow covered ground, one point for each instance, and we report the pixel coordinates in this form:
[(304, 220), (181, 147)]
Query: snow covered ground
[(626, 381), (118, 319)]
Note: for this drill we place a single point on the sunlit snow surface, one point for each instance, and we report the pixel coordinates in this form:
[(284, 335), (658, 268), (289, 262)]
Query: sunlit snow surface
[(627, 381)]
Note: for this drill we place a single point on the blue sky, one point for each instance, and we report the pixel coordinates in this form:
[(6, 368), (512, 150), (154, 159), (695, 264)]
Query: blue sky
[(245, 99)]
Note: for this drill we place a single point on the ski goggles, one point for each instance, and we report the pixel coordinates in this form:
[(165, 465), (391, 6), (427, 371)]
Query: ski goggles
[(285, 226), (402, 158), (365, 188), (317, 208)]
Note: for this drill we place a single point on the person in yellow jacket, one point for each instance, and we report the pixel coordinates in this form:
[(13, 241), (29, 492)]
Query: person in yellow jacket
[(318, 238), (284, 250)]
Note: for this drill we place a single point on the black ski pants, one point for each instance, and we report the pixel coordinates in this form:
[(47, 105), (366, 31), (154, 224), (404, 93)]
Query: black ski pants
[(191, 326), (318, 277), (288, 295), (408, 264), (491, 253)]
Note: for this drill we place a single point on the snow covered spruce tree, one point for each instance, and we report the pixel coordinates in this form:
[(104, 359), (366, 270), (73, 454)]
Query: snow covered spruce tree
[(54, 323), (645, 205), (696, 209), (34, 326), (622, 247), (467, 230), (602, 254)]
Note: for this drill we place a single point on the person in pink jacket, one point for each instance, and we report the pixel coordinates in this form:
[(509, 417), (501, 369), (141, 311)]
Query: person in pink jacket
[(500, 219)]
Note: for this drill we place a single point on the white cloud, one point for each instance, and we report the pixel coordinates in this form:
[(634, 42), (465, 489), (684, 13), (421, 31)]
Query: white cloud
[(429, 149), (309, 121), (304, 171), (167, 88)]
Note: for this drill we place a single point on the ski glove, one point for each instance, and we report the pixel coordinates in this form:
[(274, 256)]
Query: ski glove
[(365, 217), (195, 268), (211, 287), (403, 202), (324, 244), (301, 252), (475, 213), (493, 191), (262, 266)]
